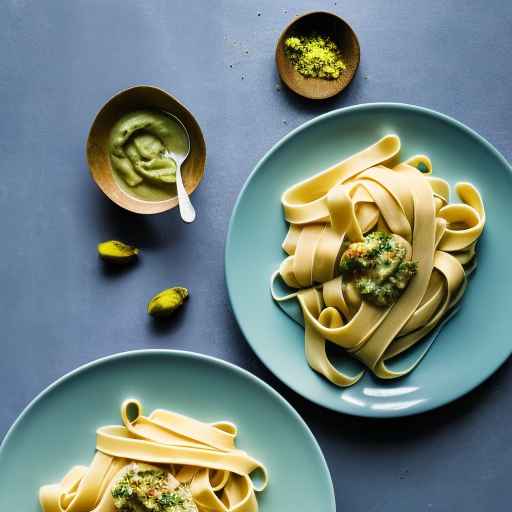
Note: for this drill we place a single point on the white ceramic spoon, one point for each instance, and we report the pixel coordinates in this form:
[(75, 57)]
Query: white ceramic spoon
[(187, 211)]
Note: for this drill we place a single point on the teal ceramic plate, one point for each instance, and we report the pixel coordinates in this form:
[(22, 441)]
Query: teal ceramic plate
[(57, 430), (468, 349)]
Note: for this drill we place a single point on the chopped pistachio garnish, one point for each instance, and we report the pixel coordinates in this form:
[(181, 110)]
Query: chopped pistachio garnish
[(378, 268), (149, 488)]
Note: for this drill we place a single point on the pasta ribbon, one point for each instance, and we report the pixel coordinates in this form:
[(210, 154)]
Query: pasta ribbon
[(365, 192), (202, 455)]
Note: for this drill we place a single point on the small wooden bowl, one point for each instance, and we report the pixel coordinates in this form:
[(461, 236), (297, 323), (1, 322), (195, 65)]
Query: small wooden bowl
[(136, 98), (328, 24)]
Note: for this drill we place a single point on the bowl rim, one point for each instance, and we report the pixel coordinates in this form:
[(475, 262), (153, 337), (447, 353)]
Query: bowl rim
[(156, 206), (290, 26)]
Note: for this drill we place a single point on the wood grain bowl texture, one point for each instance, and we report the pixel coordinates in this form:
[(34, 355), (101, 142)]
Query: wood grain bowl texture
[(129, 100), (327, 24)]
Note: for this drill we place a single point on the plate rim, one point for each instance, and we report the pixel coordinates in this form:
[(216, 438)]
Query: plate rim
[(180, 353), (427, 405)]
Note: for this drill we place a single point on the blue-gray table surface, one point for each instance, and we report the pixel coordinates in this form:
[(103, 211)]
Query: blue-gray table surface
[(59, 308)]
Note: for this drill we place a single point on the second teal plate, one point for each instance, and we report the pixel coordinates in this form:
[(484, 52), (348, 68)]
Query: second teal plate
[(57, 430), (468, 349)]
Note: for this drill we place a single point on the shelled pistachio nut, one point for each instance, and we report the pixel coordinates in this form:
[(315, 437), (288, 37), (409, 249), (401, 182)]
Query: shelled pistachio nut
[(117, 252), (167, 301)]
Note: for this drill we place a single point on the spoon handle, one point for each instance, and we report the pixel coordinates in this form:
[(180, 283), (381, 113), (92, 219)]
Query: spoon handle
[(187, 211)]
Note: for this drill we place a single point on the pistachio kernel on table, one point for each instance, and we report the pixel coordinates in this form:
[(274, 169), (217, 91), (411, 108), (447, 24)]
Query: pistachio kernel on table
[(117, 252), (167, 301)]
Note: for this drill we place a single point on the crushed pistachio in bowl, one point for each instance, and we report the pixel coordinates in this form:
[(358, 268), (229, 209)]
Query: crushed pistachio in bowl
[(315, 56)]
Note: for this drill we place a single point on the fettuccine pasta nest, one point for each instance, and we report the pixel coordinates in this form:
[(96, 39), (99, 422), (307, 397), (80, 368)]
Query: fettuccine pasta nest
[(373, 191), (201, 456)]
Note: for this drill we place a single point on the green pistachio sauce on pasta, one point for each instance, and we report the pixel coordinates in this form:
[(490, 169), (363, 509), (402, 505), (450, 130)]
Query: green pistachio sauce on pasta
[(147, 488), (378, 267), (342, 207), (164, 462)]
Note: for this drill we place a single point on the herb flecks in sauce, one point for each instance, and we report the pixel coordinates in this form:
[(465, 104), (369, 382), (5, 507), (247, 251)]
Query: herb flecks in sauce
[(315, 56), (147, 488), (378, 268)]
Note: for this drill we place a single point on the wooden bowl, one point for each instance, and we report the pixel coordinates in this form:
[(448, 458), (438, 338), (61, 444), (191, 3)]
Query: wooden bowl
[(325, 23), (136, 98)]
